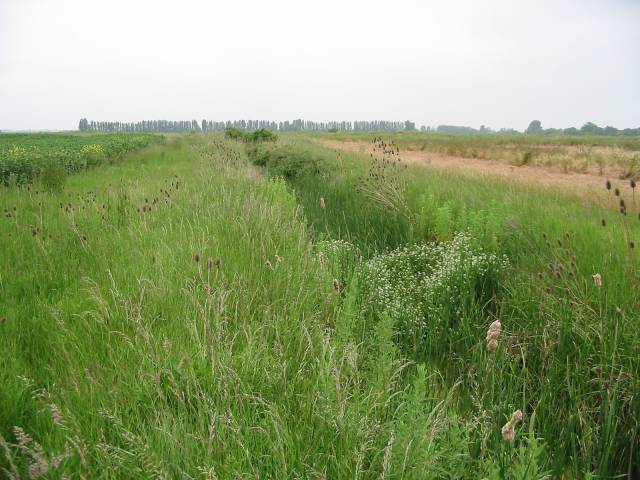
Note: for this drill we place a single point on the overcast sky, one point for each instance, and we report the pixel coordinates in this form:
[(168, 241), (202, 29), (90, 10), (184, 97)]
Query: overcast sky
[(500, 63)]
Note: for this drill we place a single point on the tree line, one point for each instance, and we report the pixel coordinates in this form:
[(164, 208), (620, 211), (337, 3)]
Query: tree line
[(298, 125), (589, 128)]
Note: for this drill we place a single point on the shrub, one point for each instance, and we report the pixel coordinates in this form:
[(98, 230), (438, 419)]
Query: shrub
[(234, 134)]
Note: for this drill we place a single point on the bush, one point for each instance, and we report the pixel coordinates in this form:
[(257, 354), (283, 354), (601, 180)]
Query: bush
[(262, 135), (289, 163), (234, 134)]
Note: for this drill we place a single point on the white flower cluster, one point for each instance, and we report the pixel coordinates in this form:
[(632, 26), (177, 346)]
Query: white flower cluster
[(422, 286)]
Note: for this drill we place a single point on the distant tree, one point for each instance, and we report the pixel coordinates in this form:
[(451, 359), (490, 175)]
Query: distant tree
[(590, 128), (534, 127), (83, 126), (409, 126)]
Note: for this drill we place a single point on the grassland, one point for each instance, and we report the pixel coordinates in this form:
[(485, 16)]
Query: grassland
[(206, 308), (618, 157)]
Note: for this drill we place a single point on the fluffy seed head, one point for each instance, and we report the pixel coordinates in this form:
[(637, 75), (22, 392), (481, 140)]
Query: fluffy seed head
[(508, 430), (493, 334), (597, 280)]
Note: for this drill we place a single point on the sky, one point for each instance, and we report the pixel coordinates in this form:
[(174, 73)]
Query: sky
[(498, 63)]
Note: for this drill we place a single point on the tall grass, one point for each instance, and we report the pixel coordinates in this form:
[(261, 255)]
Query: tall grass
[(186, 314), (567, 351)]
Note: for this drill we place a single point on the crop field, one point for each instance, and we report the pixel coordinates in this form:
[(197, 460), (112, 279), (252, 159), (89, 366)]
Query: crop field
[(24, 157), (257, 307)]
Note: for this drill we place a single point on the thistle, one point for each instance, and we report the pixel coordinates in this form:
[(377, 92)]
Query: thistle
[(508, 430), (493, 334)]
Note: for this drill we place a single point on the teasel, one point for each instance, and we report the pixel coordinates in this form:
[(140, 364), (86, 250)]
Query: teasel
[(209, 263), (493, 334), (336, 285), (608, 185), (508, 430), (617, 192), (196, 258)]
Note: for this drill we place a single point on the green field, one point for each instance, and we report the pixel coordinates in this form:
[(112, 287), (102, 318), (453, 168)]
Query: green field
[(24, 157), (210, 308)]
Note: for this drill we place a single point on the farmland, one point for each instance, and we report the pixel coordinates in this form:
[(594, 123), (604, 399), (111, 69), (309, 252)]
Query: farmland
[(23, 157), (207, 307)]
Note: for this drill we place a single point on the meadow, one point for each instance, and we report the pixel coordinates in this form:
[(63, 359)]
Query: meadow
[(207, 307), (617, 156)]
